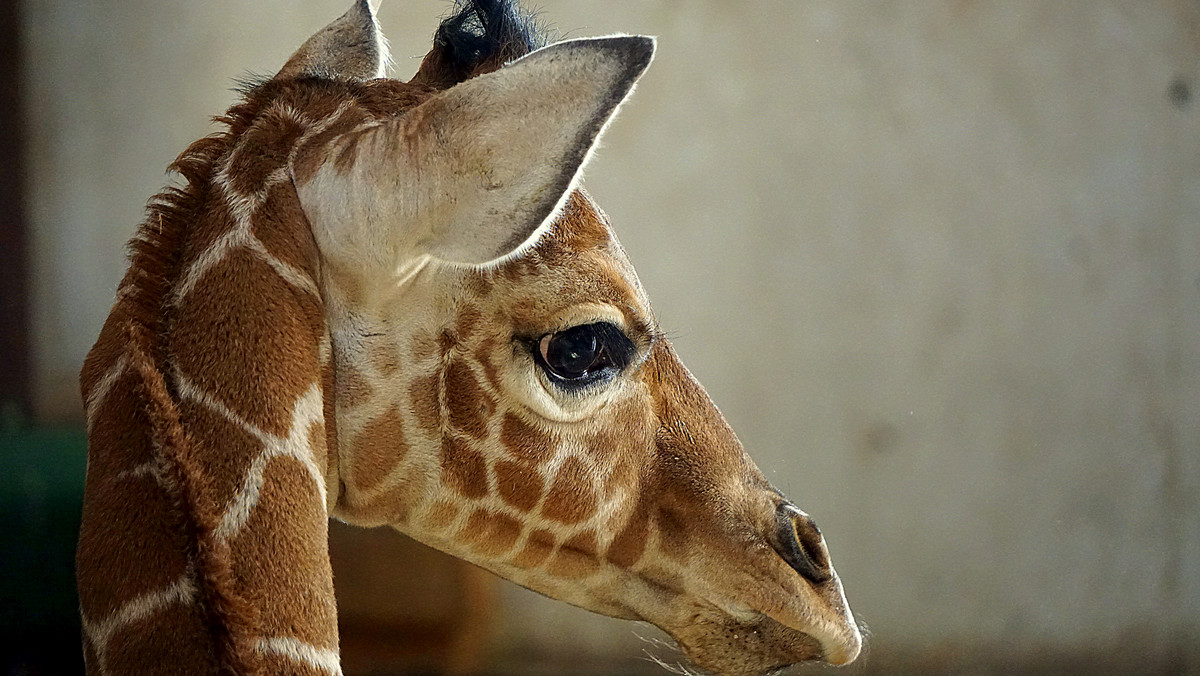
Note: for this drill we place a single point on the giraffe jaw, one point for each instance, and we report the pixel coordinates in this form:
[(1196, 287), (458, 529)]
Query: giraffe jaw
[(764, 644), (769, 627)]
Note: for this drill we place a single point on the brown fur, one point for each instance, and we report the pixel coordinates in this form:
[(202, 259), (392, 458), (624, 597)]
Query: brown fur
[(470, 409), (379, 448), (526, 441), (423, 401), (538, 546), (571, 498), (464, 468), (135, 328), (575, 558), (491, 534), (213, 426), (234, 604), (519, 484)]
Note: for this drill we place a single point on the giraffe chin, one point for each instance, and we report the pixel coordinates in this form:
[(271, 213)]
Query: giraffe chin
[(739, 640), (732, 647)]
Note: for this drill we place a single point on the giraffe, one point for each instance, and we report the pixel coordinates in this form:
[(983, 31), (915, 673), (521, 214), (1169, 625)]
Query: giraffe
[(391, 303)]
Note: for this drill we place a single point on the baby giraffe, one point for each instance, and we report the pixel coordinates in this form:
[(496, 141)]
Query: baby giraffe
[(391, 304)]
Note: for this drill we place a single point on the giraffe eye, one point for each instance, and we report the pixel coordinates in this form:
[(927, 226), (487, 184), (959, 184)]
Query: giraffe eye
[(583, 354)]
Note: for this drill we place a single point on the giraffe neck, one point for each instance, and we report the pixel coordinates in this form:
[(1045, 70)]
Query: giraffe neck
[(209, 478)]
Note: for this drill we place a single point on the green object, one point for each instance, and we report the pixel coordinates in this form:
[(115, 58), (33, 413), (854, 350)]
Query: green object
[(41, 495)]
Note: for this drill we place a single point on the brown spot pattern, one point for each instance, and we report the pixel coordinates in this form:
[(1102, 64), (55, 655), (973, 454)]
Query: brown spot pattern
[(538, 547), (216, 220), (250, 340), (525, 441), (117, 440), (629, 544), (345, 150), (147, 523), (571, 498), (228, 449), (261, 391), (468, 407), (105, 352), (491, 533), (384, 357), (576, 557), (378, 449), (393, 505), (352, 388), (274, 224), (423, 346), (441, 515), (313, 153), (673, 533), (519, 484), (483, 355), (446, 342), (153, 644), (468, 320), (463, 468), (280, 558), (262, 149), (423, 395)]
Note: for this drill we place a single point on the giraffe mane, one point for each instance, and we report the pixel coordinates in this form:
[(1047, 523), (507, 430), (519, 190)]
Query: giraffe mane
[(158, 257), (155, 257), (229, 616), (156, 250)]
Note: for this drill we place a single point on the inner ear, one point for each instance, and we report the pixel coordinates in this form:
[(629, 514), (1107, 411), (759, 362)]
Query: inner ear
[(472, 175)]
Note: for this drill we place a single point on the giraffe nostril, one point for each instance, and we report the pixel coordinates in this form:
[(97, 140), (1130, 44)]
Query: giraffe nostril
[(799, 542)]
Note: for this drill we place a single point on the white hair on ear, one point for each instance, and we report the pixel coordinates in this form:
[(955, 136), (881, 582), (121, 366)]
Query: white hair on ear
[(381, 42)]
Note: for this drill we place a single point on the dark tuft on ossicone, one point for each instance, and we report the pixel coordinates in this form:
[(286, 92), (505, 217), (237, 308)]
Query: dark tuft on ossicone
[(479, 37)]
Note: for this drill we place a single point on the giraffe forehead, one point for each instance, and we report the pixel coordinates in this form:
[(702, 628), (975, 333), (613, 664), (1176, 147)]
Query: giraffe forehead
[(577, 261), (587, 287)]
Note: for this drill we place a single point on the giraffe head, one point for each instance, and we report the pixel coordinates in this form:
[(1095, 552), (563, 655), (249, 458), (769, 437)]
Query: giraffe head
[(503, 391)]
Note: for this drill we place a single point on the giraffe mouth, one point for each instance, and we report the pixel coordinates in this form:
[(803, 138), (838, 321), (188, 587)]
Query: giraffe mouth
[(765, 635), (836, 646), (739, 647)]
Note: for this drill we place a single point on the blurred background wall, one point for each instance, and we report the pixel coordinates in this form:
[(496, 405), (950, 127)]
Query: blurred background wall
[(938, 262)]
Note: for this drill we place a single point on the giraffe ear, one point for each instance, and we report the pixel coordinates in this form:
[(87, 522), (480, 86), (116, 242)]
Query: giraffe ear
[(350, 48), (473, 174)]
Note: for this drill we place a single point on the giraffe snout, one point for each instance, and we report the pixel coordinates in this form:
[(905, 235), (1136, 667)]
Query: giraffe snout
[(800, 543)]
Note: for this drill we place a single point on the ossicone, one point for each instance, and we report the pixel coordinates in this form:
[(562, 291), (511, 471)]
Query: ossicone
[(350, 48)]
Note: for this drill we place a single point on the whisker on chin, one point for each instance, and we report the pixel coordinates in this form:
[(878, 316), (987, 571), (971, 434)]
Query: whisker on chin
[(676, 668), (657, 642)]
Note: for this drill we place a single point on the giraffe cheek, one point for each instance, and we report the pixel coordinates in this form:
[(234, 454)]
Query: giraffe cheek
[(468, 407), (463, 468), (519, 484), (629, 545), (491, 534), (571, 498)]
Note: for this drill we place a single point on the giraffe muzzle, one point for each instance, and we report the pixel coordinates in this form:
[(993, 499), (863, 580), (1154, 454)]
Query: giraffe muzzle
[(800, 543)]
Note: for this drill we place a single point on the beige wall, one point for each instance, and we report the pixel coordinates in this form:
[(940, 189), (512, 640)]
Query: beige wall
[(938, 262)]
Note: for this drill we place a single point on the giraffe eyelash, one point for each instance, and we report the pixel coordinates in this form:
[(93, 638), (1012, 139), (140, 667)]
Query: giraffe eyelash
[(585, 355)]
